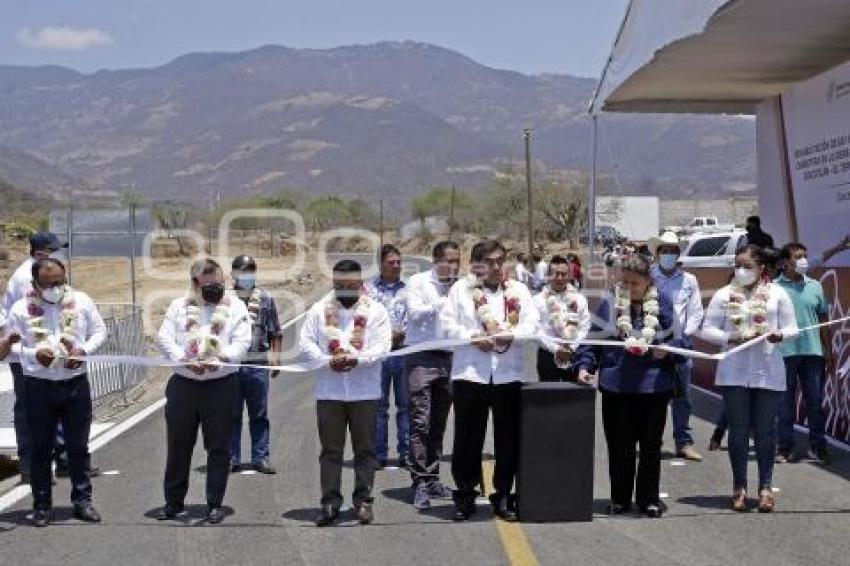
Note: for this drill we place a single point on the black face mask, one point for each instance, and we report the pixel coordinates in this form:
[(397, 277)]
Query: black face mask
[(347, 298), (212, 293)]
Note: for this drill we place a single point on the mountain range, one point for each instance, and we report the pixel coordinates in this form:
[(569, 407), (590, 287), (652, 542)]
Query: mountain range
[(383, 120)]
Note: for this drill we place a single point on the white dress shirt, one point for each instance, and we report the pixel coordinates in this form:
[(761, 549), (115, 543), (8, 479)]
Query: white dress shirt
[(547, 335), (760, 366), (90, 333), (426, 295), (235, 337), (19, 284), (458, 320), (683, 291), (363, 382), (541, 274)]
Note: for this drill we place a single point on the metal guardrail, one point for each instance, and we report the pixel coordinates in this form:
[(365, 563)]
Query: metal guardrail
[(125, 335)]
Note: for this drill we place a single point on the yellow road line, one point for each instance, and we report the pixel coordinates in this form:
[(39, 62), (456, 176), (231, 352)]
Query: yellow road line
[(513, 538)]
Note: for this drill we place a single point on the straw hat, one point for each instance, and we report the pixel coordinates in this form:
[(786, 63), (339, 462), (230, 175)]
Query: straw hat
[(665, 239)]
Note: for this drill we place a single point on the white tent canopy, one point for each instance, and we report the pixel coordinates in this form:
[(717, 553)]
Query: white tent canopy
[(719, 56)]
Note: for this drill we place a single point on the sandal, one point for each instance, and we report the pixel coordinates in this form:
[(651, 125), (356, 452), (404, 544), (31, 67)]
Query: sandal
[(739, 501), (766, 501)]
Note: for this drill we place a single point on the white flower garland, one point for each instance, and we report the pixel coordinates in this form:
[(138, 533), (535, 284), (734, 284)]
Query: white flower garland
[(68, 324), (638, 343), (484, 312), (563, 309), (748, 315), (333, 333), (200, 346)]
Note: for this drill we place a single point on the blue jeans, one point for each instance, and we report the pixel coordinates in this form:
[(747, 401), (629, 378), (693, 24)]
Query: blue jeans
[(253, 392), (681, 406), (751, 409), (393, 374), (809, 372)]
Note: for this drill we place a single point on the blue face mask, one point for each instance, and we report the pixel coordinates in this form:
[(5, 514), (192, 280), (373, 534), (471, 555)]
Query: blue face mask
[(668, 261), (246, 281)]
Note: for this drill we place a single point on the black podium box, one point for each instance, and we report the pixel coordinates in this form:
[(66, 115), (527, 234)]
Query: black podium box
[(555, 474)]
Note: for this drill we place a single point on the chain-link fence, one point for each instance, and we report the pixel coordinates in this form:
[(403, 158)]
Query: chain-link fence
[(125, 336)]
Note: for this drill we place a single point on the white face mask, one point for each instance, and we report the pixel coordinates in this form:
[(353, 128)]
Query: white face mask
[(801, 266), (53, 295), (745, 276)]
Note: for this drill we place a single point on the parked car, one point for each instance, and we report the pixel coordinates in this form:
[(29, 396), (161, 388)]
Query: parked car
[(702, 224), (713, 249)]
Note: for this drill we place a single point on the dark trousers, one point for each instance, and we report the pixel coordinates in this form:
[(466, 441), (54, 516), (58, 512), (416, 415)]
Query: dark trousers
[(751, 410), (49, 403), (190, 403), (334, 418), (473, 403), (429, 382), (253, 393), (547, 370), (809, 372), (631, 420), (22, 433)]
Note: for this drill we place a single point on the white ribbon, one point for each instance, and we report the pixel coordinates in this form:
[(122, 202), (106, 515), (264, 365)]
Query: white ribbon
[(445, 344)]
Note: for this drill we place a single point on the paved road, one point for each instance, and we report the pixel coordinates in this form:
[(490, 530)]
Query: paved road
[(270, 519)]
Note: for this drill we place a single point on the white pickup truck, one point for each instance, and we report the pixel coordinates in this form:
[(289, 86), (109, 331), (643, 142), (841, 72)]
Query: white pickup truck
[(713, 249), (702, 224)]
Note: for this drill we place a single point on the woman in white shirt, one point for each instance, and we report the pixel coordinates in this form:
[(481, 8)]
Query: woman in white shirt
[(752, 379)]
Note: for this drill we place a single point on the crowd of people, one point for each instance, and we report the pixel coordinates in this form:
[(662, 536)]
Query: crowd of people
[(225, 333)]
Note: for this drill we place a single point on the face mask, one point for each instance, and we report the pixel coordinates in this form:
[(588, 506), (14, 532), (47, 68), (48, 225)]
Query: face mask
[(668, 261), (53, 295), (347, 298), (801, 266), (745, 277), (246, 281), (212, 293)]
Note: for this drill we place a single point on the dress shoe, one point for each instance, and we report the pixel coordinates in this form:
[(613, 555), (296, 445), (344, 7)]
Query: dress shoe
[(86, 512), (500, 507), (382, 464), (41, 517), (421, 497), (653, 511), (264, 468), (782, 457), (235, 468), (689, 453), (463, 513), (365, 516), (327, 516), (619, 508), (439, 490), (170, 511), (215, 515)]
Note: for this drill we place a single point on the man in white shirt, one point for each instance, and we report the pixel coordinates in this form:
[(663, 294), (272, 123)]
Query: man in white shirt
[(351, 333), (522, 274), (683, 291), (201, 331), (57, 327), (564, 317), (541, 272), (487, 374), (429, 374), (42, 244)]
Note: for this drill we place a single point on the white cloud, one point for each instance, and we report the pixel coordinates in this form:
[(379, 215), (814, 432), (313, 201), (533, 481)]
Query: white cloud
[(63, 38)]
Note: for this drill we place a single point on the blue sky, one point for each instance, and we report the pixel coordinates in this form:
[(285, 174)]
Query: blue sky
[(531, 36)]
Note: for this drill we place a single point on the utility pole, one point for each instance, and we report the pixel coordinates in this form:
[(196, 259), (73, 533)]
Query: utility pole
[(591, 197), (527, 135), (452, 213)]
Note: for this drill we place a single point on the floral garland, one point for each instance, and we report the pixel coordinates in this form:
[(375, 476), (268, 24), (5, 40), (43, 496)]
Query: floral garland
[(563, 311), (333, 333), (198, 345), (254, 305), (748, 316), (68, 324), (491, 324), (638, 343)]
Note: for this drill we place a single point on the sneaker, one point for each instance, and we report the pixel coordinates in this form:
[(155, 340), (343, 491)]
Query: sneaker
[(439, 490), (782, 457), (822, 454), (689, 453), (421, 498)]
